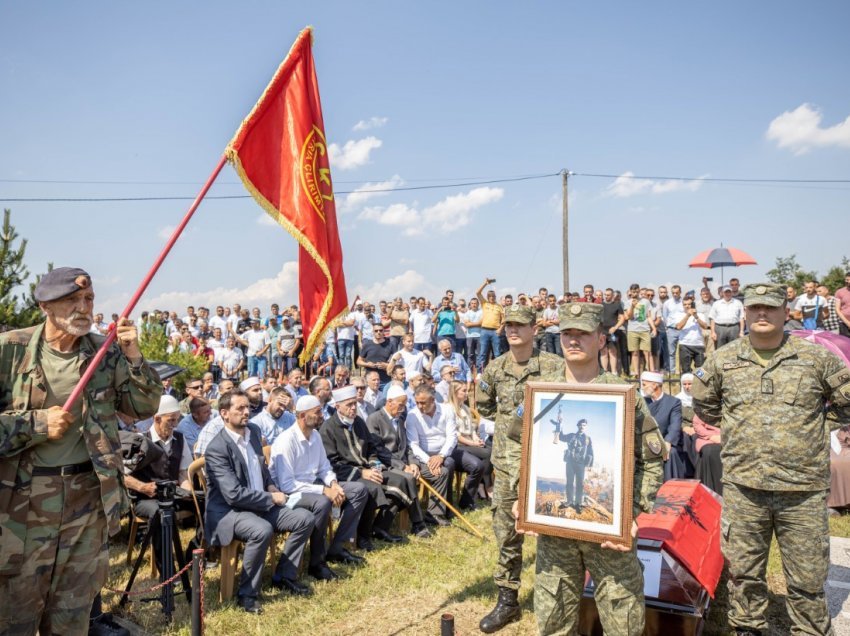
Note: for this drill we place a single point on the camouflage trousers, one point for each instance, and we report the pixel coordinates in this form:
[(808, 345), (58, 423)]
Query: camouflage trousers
[(799, 520), (65, 559), (508, 541), (559, 584)]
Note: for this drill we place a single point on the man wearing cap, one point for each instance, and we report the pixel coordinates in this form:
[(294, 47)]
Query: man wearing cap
[(577, 456), (561, 563), (358, 456), (667, 412), (775, 398), (726, 318), (170, 464), (60, 484), (388, 424), (501, 395), (253, 389), (244, 503), (301, 469)]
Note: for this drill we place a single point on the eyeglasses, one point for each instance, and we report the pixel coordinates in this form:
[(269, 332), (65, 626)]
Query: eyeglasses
[(194, 388)]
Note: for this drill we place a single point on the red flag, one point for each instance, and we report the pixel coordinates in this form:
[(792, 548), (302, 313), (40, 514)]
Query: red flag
[(281, 155)]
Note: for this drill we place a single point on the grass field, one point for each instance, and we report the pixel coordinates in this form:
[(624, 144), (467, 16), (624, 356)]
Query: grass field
[(403, 590)]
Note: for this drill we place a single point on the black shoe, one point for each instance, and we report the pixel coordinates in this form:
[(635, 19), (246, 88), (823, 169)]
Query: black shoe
[(578, 509), (322, 572), (291, 586), (422, 532), (383, 535), (429, 519), (506, 611), (442, 521), (103, 625), (250, 605), (344, 556), (365, 544)]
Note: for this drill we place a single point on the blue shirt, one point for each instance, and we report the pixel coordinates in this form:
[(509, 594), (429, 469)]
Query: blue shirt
[(446, 322), (271, 427), (455, 360)]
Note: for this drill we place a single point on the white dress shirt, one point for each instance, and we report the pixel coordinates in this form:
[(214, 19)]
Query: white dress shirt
[(185, 458), (298, 462), (727, 313), (431, 434), (252, 461)]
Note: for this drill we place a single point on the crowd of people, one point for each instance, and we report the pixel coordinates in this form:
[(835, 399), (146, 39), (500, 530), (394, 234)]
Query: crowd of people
[(407, 394)]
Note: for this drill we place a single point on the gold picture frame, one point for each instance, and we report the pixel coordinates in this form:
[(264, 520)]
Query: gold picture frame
[(568, 486)]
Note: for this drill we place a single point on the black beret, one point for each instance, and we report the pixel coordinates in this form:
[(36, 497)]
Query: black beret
[(61, 282)]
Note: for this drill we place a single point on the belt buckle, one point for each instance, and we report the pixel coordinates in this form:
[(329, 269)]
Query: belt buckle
[(67, 471)]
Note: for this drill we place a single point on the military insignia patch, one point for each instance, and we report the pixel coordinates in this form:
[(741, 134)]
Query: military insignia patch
[(654, 446), (761, 289), (575, 310), (483, 385), (699, 373), (520, 410)]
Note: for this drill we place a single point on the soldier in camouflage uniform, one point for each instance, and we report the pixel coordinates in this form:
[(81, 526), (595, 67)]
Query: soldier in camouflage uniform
[(775, 398), (501, 392), (60, 488), (615, 569)]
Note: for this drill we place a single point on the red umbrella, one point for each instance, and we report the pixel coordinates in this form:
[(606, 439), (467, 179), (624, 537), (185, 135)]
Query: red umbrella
[(722, 257)]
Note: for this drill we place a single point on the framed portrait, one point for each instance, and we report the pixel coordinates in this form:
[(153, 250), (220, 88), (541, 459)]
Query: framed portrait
[(577, 468)]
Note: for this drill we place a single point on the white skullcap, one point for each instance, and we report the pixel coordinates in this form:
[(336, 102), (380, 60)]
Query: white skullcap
[(413, 375), (168, 404), (687, 377), (344, 393), (247, 383), (306, 403), (652, 376), (395, 391)]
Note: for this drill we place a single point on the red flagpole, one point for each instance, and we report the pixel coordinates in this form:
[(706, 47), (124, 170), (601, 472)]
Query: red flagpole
[(110, 338)]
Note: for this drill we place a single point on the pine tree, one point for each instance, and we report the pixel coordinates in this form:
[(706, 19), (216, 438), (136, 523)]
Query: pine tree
[(15, 311)]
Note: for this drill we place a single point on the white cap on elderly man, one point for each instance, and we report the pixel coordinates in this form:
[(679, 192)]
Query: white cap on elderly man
[(344, 393), (247, 383), (306, 403), (652, 376), (168, 404), (687, 377), (395, 391)]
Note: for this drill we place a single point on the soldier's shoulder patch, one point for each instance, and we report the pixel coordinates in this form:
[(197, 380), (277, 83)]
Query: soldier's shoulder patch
[(654, 446), (482, 384), (520, 410), (837, 379), (700, 373)]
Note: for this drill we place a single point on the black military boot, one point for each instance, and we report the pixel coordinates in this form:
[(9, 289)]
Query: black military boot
[(506, 611)]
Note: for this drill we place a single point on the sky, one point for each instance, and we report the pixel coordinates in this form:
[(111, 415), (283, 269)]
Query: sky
[(118, 99)]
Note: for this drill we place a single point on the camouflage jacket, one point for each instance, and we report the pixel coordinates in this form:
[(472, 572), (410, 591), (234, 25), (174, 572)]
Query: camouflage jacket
[(116, 386), (501, 396), (775, 421), (649, 452)]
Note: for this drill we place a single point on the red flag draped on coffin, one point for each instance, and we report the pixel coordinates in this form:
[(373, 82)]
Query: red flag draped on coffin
[(281, 155)]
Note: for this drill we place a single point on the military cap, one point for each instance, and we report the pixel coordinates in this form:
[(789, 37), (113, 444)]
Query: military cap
[(520, 314), (584, 316), (61, 282), (769, 294)]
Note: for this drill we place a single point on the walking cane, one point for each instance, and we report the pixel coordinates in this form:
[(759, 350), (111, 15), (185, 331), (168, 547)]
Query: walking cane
[(451, 507)]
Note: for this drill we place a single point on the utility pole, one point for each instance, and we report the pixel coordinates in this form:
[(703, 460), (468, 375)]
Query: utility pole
[(565, 175)]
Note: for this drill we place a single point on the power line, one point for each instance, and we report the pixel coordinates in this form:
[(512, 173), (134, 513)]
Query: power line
[(711, 179), (245, 196)]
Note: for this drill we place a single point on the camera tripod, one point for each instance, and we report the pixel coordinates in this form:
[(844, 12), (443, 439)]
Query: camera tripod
[(165, 523)]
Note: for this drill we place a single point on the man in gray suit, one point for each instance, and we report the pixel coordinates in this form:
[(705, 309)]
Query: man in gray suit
[(387, 423), (243, 503)]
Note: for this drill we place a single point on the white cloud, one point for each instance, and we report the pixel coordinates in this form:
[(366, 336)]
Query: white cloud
[(268, 221), (406, 284), (627, 186), (282, 288), (448, 215), (800, 130), (369, 191), (165, 232), (354, 153), (372, 122)]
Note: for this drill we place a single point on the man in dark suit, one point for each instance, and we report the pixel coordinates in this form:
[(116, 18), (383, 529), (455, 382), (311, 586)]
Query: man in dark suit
[(387, 424), (243, 503), (667, 412), (357, 455)]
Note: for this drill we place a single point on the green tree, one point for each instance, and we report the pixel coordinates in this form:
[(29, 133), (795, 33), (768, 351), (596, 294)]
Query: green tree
[(834, 278), (789, 272), (154, 346), (15, 311)]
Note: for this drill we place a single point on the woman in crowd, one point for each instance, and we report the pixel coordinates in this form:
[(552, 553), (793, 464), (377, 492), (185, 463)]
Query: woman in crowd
[(468, 441)]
